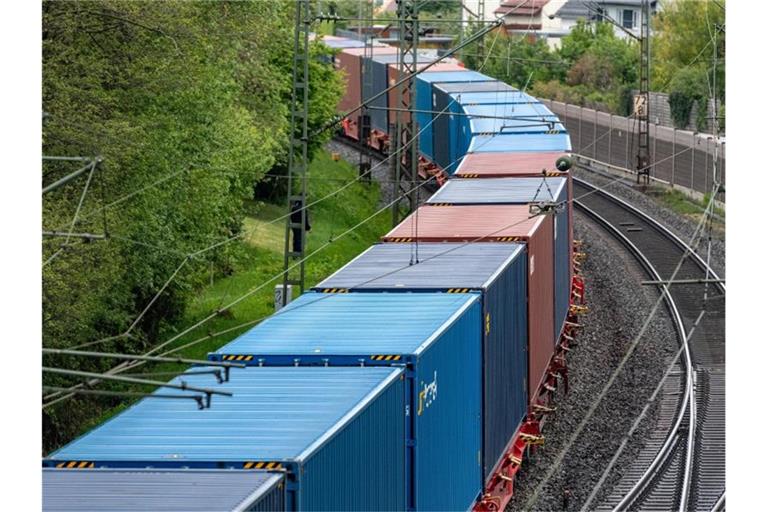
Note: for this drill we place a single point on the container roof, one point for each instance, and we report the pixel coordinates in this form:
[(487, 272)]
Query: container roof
[(508, 164), (377, 50), (454, 76), (467, 223), (250, 425), (343, 43), (520, 142), (98, 490), (353, 324), (487, 86), (499, 191), (441, 266), (494, 97), (511, 118)]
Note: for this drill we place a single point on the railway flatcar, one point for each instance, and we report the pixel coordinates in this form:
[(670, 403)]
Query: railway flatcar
[(414, 378)]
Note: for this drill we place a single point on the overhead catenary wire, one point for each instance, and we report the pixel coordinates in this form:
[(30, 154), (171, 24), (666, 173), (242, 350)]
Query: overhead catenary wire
[(648, 403), (130, 394), (614, 375)]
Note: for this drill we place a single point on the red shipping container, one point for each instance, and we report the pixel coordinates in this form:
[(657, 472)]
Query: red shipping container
[(500, 223), (500, 165)]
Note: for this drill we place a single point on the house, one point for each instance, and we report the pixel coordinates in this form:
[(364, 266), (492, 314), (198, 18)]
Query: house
[(553, 19)]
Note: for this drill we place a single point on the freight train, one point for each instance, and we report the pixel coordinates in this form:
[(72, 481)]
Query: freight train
[(416, 377)]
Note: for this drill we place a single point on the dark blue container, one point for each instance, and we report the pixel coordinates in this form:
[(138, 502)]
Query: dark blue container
[(425, 102), (170, 490), (499, 272), (524, 191), (435, 336), (337, 433)]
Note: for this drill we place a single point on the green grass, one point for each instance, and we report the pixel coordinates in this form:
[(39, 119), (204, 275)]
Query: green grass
[(262, 247), (685, 205)]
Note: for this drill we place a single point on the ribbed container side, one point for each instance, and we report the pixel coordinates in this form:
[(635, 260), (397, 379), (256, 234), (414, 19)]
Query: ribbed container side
[(563, 245), (541, 301), (506, 360), (97, 490), (500, 271), (371, 451), (447, 402), (394, 76), (440, 145), (350, 65), (465, 223), (380, 81), (272, 501), (508, 164), (519, 142), (522, 190), (495, 97), (439, 337)]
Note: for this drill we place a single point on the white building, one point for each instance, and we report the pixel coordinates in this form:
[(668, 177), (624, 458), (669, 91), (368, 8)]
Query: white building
[(553, 19)]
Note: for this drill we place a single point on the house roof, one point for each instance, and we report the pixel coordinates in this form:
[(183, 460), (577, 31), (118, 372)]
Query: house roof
[(573, 9), (521, 7)]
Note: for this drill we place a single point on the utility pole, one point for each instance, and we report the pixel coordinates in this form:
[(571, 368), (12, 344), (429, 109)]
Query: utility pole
[(642, 104), (366, 86), (405, 162), (296, 220), (481, 42)]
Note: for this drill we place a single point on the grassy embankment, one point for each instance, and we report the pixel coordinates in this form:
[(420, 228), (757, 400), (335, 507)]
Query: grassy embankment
[(263, 259)]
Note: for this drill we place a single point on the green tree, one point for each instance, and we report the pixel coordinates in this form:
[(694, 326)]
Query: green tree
[(683, 35), (188, 105)]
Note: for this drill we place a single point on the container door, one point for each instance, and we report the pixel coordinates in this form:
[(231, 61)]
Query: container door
[(447, 404), (380, 83), (562, 233), (441, 144)]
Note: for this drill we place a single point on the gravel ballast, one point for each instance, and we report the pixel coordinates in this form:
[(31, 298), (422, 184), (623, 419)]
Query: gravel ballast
[(682, 226), (618, 307)]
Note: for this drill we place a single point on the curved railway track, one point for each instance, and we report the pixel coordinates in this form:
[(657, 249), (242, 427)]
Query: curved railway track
[(682, 466)]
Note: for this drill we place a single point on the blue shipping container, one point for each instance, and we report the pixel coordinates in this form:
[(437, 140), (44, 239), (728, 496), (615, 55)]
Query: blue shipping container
[(524, 190), (520, 142), (495, 98), (171, 490), (500, 272), (338, 432), (424, 101), (434, 335)]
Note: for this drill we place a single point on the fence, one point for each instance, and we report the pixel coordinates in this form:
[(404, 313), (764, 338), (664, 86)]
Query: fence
[(680, 158)]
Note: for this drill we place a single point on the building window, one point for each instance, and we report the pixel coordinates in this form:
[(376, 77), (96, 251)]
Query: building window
[(628, 18)]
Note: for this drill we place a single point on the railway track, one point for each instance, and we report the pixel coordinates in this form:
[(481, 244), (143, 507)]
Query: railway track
[(682, 465)]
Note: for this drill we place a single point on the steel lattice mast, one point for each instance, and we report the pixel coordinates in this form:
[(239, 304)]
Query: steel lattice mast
[(642, 108), (293, 260), (405, 163)]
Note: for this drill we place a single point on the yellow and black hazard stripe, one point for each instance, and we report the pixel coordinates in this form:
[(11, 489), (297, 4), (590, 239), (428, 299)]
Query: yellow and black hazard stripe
[(384, 357), (554, 173), (400, 239), (76, 464), (263, 465), (439, 204), (508, 239), (335, 290), (468, 175), (458, 290), (237, 357), (554, 131)]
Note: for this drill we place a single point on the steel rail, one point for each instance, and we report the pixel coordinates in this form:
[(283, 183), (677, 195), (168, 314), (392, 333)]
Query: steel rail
[(681, 332), (690, 397)]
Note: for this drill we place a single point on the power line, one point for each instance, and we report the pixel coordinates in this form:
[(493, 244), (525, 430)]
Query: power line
[(596, 402)]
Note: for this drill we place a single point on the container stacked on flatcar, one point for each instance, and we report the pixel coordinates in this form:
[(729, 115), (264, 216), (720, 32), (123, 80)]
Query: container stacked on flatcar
[(414, 377)]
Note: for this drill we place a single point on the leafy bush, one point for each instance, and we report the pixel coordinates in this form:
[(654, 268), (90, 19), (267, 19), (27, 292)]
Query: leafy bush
[(687, 87)]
